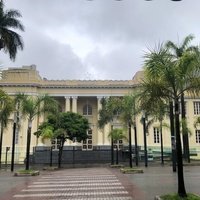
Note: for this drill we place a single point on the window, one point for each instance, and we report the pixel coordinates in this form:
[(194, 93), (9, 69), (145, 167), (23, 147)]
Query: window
[(55, 143), (196, 107), (180, 107), (198, 136), (118, 143), (156, 133), (87, 109), (87, 144)]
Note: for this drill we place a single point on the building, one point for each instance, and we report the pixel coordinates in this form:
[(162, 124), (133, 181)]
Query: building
[(84, 97)]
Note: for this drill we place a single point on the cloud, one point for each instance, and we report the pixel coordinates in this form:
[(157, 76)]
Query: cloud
[(77, 39)]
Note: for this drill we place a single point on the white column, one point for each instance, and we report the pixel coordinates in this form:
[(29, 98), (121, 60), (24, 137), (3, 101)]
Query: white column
[(100, 133), (67, 104), (74, 104)]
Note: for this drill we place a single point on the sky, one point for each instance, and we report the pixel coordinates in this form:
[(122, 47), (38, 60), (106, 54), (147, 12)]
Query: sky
[(99, 39)]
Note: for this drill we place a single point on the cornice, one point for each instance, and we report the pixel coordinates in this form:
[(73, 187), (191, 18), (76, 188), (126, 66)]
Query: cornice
[(117, 84)]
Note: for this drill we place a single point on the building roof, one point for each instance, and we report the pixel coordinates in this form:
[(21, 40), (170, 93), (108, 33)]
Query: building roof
[(29, 76)]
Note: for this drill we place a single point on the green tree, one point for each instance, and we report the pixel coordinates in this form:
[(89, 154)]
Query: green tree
[(178, 51), (117, 134), (197, 122), (10, 40), (157, 109), (31, 107), (6, 108), (67, 125), (124, 108), (110, 108), (168, 79)]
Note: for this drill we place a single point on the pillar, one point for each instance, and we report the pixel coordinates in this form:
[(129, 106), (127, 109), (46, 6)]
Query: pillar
[(100, 133), (74, 104), (67, 104)]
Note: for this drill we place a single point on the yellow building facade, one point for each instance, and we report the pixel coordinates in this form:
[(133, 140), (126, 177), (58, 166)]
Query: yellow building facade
[(84, 97)]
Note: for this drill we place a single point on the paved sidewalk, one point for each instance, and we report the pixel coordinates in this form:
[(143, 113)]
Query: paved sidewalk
[(97, 184), (75, 184), (158, 180)]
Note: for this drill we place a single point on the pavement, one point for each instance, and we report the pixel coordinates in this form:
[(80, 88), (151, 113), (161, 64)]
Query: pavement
[(97, 183)]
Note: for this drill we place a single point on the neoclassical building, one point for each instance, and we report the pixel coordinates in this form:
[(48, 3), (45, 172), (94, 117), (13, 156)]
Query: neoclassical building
[(84, 97)]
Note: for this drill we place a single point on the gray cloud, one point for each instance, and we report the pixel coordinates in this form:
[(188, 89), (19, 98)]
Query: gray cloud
[(77, 39)]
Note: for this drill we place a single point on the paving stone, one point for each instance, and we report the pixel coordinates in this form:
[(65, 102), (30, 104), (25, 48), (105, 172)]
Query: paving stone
[(76, 184)]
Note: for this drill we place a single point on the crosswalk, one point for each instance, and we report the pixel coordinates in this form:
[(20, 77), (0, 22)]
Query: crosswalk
[(68, 185)]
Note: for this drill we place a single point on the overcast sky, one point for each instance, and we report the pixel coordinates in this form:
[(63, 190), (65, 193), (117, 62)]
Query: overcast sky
[(99, 39)]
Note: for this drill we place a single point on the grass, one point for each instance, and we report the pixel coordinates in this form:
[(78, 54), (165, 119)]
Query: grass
[(176, 197), (128, 170), (24, 172)]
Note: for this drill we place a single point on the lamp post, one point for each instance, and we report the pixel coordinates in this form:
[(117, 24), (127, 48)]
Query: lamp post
[(145, 139), (13, 142)]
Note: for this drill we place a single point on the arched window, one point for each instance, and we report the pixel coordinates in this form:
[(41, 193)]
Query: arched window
[(87, 109)]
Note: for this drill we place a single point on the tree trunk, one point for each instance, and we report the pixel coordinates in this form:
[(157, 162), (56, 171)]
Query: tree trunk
[(28, 145), (136, 145), (130, 145), (13, 145), (60, 153), (145, 142), (117, 155), (161, 144), (173, 141), (51, 156), (112, 148), (1, 142), (186, 149), (181, 185)]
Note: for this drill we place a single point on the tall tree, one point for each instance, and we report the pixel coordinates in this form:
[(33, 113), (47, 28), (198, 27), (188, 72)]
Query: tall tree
[(124, 109), (178, 51), (67, 125), (110, 108), (31, 107), (10, 41), (157, 109), (6, 108), (168, 79), (117, 134)]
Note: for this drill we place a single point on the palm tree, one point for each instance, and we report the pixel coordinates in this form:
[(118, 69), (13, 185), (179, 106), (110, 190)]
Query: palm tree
[(157, 109), (128, 115), (169, 80), (197, 122), (178, 51), (6, 108), (124, 108), (110, 107), (10, 40), (32, 107), (117, 134)]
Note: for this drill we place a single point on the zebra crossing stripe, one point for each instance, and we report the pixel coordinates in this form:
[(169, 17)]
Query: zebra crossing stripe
[(73, 185), (75, 181), (72, 189), (69, 194), (75, 176)]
